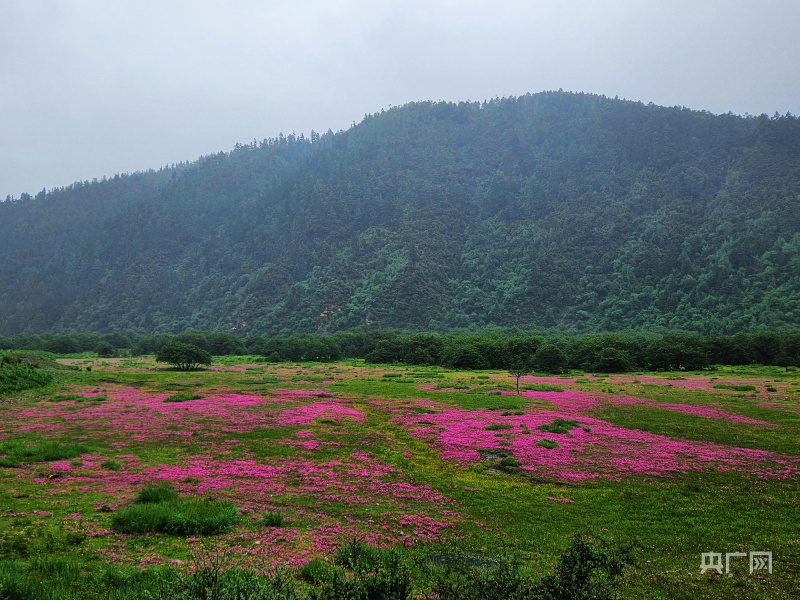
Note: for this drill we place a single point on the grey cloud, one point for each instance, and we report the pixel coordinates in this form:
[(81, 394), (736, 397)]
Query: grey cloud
[(93, 88)]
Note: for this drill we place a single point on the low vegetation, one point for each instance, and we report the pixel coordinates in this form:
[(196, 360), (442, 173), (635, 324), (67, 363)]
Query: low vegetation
[(21, 371), (15, 453), (317, 480), (160, 510)]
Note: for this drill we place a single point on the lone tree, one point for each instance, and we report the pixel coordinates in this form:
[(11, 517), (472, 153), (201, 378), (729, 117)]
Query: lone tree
[(519, 368), (185, 357)]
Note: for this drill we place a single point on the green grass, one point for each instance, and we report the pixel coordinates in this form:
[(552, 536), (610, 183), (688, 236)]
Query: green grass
[(67, 398), (541, 387), (547, 444), (272, 519), (314, 571), (153, 494), (558, 426), (16, 377), (183, 397), (14, 453), (782, 438), (739, 388), (65, 519), (181, 516)]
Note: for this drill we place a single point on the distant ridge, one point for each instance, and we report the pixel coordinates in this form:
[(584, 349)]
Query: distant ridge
[(560, 210)]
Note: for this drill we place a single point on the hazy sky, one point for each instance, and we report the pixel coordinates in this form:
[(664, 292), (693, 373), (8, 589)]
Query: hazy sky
[(97, 87)]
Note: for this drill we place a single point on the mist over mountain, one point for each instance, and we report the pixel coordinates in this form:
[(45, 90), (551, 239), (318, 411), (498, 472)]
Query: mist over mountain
[(556, 210)]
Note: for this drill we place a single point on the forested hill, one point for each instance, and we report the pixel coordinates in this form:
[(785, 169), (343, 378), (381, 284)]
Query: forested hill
[(555, 209)]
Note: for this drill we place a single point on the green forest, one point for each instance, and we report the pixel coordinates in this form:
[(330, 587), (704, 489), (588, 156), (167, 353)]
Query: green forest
[(559, 211), (551, 352)]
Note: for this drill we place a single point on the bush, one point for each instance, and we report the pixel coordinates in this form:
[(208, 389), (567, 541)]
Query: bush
[(105, 350), (612, 360), (17, 375), (670, 354), (586, 570), (549, 359), (460, 354), (463, 576), (314, 570), (365, 573), (185, 357), (62, 344), (224, 344)]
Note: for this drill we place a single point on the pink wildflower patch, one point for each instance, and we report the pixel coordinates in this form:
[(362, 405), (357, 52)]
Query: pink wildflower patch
[(61, 465), (689, 382), (594, 448), (300, 394), (308, 413), (568, 400), (688, 409), (305, 444), (546, 380)]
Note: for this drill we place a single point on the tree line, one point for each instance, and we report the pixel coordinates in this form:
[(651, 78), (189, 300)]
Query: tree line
[(552, 352)]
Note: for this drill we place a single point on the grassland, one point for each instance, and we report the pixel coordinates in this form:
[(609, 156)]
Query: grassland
[(314, 455)]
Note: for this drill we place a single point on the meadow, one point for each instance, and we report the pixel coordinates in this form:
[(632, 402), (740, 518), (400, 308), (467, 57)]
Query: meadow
[(279, 464)]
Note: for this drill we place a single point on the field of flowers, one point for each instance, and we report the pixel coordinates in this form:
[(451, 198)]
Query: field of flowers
[(420, 458)]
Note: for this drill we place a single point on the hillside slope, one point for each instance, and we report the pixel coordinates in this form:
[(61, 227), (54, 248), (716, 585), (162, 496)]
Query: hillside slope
[(554, 210)]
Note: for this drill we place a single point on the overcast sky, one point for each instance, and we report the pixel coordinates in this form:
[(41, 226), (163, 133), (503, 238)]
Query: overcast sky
[(96, 87)]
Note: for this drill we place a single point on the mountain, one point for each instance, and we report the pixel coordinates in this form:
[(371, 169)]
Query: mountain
[(560, 210)]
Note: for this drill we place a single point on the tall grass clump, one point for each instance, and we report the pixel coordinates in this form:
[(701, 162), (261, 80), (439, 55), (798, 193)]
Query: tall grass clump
[(158, 509), (153, 494), (272, 519)]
